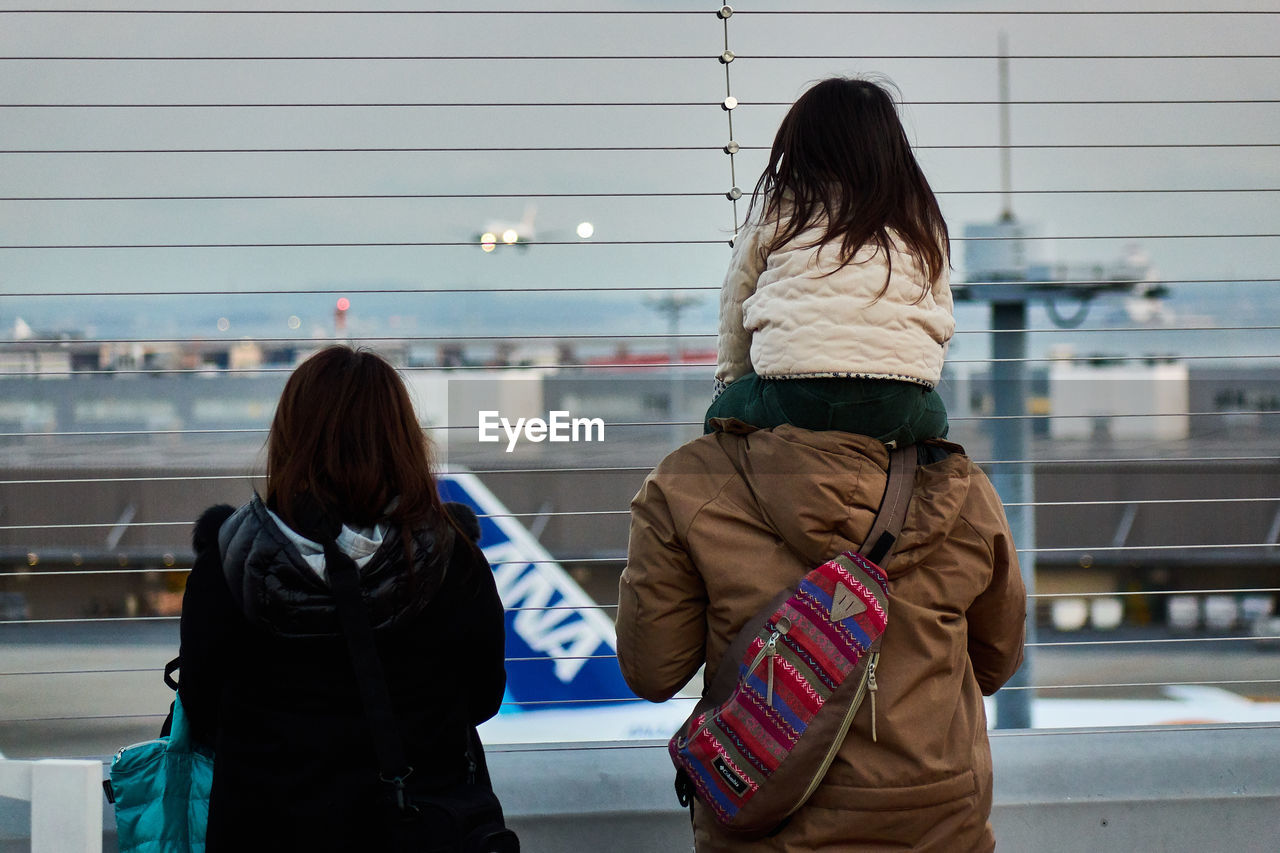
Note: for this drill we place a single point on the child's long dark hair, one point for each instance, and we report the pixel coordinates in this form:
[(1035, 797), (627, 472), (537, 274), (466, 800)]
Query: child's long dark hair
[(345, 441), (841, 161)]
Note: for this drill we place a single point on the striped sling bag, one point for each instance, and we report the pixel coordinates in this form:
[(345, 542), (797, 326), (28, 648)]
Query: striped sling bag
[(760, 740)]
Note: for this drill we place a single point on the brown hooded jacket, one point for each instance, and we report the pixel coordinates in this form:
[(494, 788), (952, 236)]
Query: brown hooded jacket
[(729, 520)]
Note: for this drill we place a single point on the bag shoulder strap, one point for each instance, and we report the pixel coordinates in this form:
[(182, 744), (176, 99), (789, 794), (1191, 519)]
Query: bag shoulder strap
[(375, 698), (877, 548), (893, 506)]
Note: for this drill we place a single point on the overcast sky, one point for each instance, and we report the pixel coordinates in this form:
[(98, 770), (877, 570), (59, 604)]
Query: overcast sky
[(764, 85)]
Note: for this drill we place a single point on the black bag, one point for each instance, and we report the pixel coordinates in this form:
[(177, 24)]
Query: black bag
[(465, 818)]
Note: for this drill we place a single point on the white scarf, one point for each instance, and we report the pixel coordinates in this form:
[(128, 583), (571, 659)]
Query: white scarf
[(357, 543)]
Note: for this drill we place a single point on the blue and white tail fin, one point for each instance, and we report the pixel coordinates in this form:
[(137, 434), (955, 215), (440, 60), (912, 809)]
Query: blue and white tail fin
[(561, 647)]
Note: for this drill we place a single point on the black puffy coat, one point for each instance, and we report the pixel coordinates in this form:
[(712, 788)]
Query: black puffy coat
[(266, 678)]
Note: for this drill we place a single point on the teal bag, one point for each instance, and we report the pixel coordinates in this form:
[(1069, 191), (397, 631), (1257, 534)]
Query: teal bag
[(160, 790)]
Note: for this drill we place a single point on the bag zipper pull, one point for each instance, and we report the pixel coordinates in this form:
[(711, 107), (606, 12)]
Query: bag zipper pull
[(871, 687), (771, 649)]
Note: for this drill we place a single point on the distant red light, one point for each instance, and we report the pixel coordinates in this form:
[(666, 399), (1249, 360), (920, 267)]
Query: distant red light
[(344, 303)]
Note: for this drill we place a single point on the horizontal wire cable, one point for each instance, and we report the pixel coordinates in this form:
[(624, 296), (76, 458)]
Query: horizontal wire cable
[(1152, 641), (330, 12), (217, 431), (617, 104), (652, 57), (584, 561), (558, 657), (605, 606), (620, 57), (1170, 593), (81, 718), (586, 336), (1032, 687), (1128, 191), (1077, 331), (1089, 57), (509, 149), (587, 512), (87, 573), (400, 244), (607, 746), (631, 366), (353, 291), (1131, 684), (601, 606), (622, 366), (88, 619), (1142, 502), (1102, 549), (526, 703), (395, 149), (1091, 359), (103, 671), (618, 424), (604, 746), (708, 194), (31, 294), (1051, 417), (641, 468), (1074, 549), (404, 196), (1076, 686), (1156, 593), (1102, 13), (79, 620)]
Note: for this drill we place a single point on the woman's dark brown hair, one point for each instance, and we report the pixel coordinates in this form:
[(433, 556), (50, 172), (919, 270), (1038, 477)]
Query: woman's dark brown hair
[(345, 441), (841, 160)]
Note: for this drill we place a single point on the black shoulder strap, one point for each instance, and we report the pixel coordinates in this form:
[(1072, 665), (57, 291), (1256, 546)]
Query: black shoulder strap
[(344, 580), (893, 506)]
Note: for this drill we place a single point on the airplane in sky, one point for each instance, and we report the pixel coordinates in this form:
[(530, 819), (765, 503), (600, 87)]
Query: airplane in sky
[(563, 681), (520, 234)]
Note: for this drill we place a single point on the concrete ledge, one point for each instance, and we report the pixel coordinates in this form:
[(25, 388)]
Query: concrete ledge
[(1095, 790), (1195, 788), (618, 797)]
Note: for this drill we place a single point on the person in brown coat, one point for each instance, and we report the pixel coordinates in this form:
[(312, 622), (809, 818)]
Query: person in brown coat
[(734, 517)]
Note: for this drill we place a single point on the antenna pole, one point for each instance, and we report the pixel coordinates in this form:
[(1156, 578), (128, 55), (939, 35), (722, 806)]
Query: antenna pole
[(1006, 149)]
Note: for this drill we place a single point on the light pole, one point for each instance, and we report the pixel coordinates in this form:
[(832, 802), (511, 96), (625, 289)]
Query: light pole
[(999, 272), (672, 304)]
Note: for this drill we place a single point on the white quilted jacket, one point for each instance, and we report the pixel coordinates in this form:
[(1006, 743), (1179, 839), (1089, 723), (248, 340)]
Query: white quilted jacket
[(798, 313)]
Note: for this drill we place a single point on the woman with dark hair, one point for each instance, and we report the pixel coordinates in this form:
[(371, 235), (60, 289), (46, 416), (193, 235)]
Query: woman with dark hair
[(836, 309), (266, 676)]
